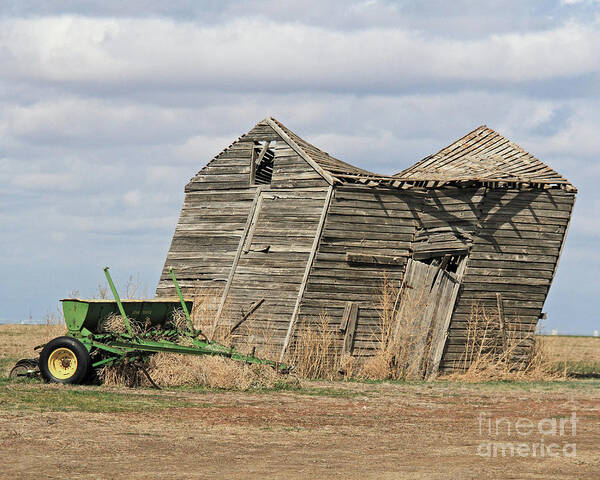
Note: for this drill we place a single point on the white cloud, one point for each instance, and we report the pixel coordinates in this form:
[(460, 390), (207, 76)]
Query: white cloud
[(151, 52), (578, 2), (58, 236), (94, 121), (578, 139), (46, 181), (133, 198)]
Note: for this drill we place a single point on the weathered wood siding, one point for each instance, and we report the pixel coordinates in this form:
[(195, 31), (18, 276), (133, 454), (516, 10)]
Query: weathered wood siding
[(291, 171), (275, 253), (447, 221), (514, 253), (367, 232), (217, 203), (206, 239)]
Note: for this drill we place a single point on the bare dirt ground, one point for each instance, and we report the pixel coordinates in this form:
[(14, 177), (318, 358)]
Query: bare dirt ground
[(325, 430)]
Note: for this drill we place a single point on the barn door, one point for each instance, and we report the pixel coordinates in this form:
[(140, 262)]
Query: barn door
[(427, 299)]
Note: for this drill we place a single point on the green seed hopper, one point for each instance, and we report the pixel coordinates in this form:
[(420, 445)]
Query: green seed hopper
[(148, 326)]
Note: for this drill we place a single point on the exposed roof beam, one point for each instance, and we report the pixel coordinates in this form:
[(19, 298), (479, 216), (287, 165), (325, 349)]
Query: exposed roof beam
[(300, 151)]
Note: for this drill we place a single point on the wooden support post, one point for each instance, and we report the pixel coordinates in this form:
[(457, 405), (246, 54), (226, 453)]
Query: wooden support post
[(350, 329), (253, 167), (252, 226), (501, 321), (423, 327), (252, 309), (345, 317), (262, 153)]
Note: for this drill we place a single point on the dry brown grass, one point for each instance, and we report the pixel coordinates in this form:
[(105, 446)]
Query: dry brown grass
[(179, 320), (114, 323), (204, 312), (170, 369), (315, 352), (377, 367), (215, 372), (498, 351), (573, 349), (348, 366), (254, 337), (123, 374), (18, 341)]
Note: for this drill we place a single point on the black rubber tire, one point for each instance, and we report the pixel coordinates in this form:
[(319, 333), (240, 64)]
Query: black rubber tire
[(83, 360)]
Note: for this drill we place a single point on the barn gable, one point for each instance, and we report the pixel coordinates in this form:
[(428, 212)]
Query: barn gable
[(223, 194), (260, 156)]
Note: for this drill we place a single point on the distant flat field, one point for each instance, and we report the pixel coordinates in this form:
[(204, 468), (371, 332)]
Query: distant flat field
[(349, 430), (573, 349), (18, 341)]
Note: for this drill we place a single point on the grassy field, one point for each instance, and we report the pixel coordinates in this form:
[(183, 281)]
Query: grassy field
[(581, 355), (321, 430)]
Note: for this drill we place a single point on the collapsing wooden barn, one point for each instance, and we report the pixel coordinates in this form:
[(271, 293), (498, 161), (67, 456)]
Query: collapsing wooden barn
[(287, 233)]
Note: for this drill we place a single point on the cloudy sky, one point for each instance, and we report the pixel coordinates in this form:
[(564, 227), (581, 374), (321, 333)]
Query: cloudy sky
[(108, 108)]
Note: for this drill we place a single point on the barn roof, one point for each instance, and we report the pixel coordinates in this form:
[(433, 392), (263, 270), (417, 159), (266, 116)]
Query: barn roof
[(484, 155)]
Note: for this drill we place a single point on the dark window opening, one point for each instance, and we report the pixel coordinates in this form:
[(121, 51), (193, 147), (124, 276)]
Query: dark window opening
[(449, 263), (261, 170)]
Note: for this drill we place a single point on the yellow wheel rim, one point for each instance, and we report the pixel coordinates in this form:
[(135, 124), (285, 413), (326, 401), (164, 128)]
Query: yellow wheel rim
[(62, 363)]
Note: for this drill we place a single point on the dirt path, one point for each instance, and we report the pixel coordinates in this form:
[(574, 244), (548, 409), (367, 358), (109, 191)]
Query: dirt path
[(380, 431)]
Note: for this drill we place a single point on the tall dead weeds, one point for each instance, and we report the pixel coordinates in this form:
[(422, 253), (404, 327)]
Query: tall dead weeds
[(315, 352), (499, 350)]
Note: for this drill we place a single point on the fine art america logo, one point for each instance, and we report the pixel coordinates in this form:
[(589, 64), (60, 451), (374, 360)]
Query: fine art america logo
[(546, 437)]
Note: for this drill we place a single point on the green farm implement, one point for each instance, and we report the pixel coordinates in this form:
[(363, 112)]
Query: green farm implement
[(147, 327)]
